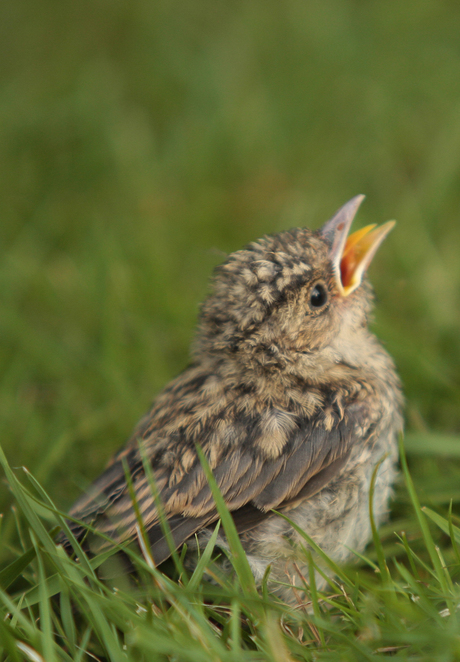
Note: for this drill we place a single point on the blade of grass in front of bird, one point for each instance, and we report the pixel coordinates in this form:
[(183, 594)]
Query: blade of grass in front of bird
[(68, 621), (265, 581), (140, 527), (15, 569), (48, 643), (385, 575), (162, 518), (239, 559), (235, 629), (337, 570), (384, 571), (49, 505), (81, 648), (314, 594), (205, 557)]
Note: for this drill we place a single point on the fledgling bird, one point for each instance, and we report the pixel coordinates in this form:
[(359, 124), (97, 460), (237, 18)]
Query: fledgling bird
[(292, 400)]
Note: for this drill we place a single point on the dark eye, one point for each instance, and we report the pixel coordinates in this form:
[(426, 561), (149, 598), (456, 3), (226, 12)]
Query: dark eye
[(318, 296)]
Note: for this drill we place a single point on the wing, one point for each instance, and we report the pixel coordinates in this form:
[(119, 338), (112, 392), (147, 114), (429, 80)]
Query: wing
[(261, 461)]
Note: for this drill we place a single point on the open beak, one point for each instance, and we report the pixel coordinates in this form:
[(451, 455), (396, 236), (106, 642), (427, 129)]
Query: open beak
[(351, 255)]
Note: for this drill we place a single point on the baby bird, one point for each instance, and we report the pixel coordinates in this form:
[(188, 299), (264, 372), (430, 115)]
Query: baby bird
[(291, 399)]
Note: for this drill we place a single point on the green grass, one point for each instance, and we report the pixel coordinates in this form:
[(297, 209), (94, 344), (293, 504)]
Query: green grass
[(402, 600), (140, 142)]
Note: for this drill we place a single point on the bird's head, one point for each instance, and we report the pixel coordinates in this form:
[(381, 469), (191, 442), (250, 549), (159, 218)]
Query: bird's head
[(295, 301)]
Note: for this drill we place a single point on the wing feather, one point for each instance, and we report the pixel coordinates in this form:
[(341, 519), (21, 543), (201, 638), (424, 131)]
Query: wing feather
[(252, 484)]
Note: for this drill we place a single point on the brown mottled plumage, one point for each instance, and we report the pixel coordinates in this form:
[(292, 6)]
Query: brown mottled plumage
[(289, 395)]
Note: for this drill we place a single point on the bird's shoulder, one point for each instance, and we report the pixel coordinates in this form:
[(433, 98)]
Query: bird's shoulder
[(220, 411)]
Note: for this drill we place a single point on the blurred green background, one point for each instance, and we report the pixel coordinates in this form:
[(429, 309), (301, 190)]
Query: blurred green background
[(141, 141)]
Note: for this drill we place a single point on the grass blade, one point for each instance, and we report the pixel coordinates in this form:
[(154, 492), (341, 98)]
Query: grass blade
[(440, 571), (9, 574), (239, 560)]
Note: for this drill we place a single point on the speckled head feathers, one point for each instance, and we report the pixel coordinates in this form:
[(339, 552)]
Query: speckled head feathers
[(253, 280), (263, 298)]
